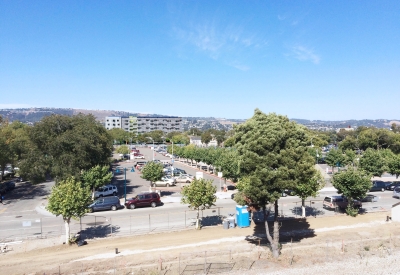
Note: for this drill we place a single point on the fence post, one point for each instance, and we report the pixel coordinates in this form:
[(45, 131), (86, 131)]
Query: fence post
[(205, 261)]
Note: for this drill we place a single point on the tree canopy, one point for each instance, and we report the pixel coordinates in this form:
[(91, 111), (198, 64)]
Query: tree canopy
[(63, 146), (353, 184), (273, 157), (152, 171), (200, 195), (70, 199)]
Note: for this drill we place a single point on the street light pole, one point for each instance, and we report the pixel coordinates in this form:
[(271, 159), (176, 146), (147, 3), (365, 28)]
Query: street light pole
[(125, 186)]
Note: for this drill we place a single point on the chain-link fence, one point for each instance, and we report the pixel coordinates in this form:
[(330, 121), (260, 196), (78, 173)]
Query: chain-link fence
[(96, 226)]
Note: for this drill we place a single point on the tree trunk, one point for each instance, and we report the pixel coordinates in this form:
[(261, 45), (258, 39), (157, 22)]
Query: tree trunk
[(66, 224), (274, 241), (198, 220), (275, 248), (303, 208)]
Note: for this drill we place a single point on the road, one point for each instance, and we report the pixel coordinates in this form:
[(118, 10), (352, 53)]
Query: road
[(24, 214)]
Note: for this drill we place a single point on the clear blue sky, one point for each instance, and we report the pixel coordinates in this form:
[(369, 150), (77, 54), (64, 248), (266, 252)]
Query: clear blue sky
[(327, 60)]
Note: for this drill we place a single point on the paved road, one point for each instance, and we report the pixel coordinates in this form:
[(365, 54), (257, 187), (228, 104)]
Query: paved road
[(24, 215)]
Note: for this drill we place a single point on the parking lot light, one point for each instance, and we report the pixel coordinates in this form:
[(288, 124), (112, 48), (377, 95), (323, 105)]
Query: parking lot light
[(117, 171)]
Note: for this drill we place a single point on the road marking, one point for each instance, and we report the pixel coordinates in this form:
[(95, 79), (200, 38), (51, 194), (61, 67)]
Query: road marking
[(2, 210)]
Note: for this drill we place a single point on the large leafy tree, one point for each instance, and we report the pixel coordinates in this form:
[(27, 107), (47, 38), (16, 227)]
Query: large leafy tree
[(96, 176), (152, 171), (123, 149), (272, 154), (394, 165), (353, 184), (334, 158), (308, 187), (200, 195), (63, 146), (227, 162), (375, 161), (70, 199), (7, 154), (206, 137)]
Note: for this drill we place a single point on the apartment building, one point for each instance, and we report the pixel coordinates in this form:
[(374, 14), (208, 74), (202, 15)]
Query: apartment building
[(142, 125)]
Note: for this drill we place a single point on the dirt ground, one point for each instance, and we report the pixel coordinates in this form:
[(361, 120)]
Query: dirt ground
[(305, 243)]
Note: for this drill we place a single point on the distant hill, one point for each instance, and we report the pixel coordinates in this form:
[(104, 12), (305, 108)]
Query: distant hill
[(32, 115)]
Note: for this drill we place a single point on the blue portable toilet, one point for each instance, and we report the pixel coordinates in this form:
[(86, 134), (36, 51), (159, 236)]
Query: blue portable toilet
[(242, 216)]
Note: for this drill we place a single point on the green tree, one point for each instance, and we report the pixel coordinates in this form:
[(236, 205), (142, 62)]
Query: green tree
[(272, 152), (353, 184), (63, 146), (7, 154), (96, 177), (309, 187), (200, 195), (395, 128), (227, 162), (334, 158), (350, 157), (194, 132), (152, 172), (180, 139), (206, 138), (120, 136), (394, 165), (123, 149), (374, 161), (70, 199)]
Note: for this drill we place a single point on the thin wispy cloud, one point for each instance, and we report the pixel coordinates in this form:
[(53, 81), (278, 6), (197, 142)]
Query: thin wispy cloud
[(305, 54), (225, 44)]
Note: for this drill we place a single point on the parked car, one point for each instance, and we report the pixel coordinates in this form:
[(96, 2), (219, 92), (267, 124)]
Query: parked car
[(145, 199), (106, 190), (139, 156), (339, 202), (370, 198), (396, 192), (393, 185), (107, 203), (183, 178), (379, 186), (165, 182)]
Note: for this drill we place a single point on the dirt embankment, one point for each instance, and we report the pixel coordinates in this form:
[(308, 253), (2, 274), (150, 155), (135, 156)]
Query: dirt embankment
[(306, 242)]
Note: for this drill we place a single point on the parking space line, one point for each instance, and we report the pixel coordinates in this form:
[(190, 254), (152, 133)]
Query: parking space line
[(3, 210)]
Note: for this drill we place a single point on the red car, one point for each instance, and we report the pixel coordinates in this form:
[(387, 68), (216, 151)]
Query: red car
[(144, 199)]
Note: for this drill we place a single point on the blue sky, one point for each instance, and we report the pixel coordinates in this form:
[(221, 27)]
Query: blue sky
[(329, 60)]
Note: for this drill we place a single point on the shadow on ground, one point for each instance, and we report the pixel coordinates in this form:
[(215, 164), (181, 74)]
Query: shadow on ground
[(290, 230), (98, 231)]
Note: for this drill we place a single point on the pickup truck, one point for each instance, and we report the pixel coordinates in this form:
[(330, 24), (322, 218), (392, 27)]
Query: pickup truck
[(339, 202)]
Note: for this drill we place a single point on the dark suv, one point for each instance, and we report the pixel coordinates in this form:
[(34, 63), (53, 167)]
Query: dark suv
[(144, 199), (379, 186)]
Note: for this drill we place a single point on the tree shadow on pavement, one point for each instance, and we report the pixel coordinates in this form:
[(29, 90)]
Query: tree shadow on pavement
[(27, 191), (99, 231), (310, 211)]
